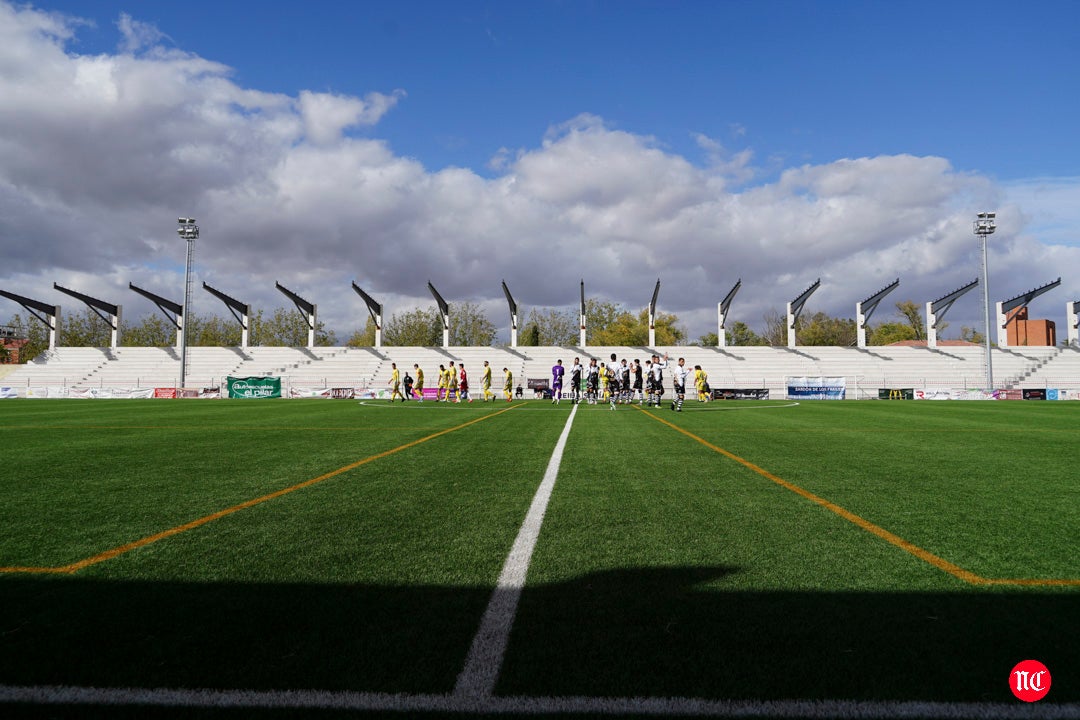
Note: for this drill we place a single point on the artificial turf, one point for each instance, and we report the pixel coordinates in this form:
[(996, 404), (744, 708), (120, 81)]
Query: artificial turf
[(663, 568)]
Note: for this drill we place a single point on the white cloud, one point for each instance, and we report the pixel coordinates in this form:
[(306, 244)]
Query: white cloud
[(1051, 208), (326, 116), (735, 166), (137, 34), (98, 156)]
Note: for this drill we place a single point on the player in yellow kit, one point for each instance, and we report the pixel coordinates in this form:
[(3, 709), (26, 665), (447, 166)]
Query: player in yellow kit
[(485, 382), (395, 383), (451, 383), (701, 381), (508, 384), (418, 387), (442, 383)]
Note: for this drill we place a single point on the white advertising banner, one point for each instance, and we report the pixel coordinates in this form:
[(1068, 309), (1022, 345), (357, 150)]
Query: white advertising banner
[(98, 393), (954, 394), (295, 392)]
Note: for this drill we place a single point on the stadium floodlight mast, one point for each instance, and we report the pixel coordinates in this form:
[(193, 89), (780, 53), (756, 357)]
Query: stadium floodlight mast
[(189, 231), (984, 226)]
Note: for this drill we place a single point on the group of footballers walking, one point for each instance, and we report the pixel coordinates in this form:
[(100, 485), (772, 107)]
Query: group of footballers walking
[(452, 384), (622, 382), (617, 383)]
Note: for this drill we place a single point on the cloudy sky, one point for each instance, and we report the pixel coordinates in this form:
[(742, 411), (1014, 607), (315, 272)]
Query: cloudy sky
[(392, 143)]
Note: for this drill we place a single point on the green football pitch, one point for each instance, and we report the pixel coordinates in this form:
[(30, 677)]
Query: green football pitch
[(769, 558)]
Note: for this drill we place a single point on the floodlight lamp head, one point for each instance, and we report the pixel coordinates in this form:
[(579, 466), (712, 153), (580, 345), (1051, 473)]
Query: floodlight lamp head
[(985, 224)]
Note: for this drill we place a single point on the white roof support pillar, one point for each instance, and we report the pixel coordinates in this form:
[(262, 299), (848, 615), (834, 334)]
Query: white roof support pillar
[(166, 306), (936, 309), (308, 310), (375, 309), (49, 314), (513, 315), (864, 309), (795, 308), (444, 312), (723, 308), (240, 311), (652, 315), (1072, 315), (106, 311)]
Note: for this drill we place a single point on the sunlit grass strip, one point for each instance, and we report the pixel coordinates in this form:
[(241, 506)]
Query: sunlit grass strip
[(142, 542), (905, 545)]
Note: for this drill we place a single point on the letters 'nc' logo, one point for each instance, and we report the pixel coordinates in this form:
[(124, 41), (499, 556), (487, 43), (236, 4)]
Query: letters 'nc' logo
[(1029, 681)]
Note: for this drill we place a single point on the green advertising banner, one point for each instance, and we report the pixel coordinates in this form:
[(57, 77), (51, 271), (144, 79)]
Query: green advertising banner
[(254, 387)]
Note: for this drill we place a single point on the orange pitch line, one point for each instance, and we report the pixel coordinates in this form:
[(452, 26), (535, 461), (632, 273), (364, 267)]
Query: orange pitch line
[(908, 547), (122, 549)]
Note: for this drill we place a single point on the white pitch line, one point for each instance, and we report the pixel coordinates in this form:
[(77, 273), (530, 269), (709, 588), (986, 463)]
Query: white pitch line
[(741, 407), (485, 657), (660, 707)]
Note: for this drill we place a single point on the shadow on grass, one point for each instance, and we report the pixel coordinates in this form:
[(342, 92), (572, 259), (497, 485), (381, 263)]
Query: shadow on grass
[(678, 632), (218, 635), (633, 632)]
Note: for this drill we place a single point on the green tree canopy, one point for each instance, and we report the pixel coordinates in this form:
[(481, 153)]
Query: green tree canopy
[(469, 325), (972, 335), (365, 337), (549, 326), (35, 332), (531, 336), (422, 326), (913, 314), (215, 331), (599, 315), (822, 329), (626, 328), (817, 329), (887, 333), (84, 328), (288, 328), (741, 335), (150, 331)]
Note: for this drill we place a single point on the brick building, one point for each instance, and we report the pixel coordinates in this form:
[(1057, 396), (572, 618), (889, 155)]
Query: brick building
[(1031, 333), (12, 346), (12, 341)]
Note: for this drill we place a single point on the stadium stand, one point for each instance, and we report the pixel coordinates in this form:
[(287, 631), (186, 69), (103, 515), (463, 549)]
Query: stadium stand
[(865, 370)]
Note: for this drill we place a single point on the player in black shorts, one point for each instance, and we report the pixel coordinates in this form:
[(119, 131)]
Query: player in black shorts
[(592, 382), (614, 386), (575, 381), (638, 383)]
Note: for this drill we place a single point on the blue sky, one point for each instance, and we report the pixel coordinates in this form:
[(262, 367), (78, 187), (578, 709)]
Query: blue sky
[(700, 141), (988, 85)]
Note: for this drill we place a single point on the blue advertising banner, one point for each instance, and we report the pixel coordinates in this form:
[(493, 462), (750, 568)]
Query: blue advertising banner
[(816, 388)]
